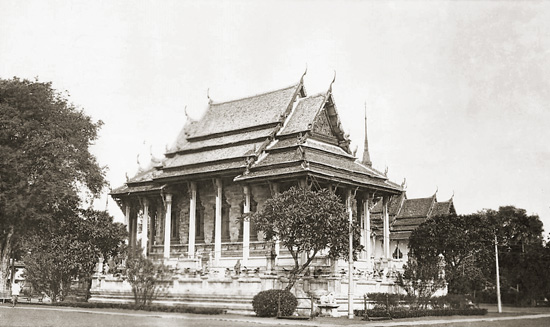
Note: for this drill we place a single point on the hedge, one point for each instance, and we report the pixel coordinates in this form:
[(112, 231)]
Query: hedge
[(125, 306), (405, 313)]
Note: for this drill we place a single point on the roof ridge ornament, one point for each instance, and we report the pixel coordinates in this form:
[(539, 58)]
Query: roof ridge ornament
[(186, 113), (333, 80), (452, 196), (208, 95), (304, 74), (404, 184)]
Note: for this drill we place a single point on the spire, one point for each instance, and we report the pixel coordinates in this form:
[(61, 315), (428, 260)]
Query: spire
[(366, 156)]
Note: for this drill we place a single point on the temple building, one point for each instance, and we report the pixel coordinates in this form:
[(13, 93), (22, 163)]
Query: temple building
[(405, 216), (191, 208)]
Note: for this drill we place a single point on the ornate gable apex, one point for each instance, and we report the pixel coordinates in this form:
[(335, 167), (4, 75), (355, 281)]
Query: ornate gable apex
[(327, 123)]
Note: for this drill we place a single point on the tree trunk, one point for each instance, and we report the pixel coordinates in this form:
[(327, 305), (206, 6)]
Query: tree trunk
[(5, 252)]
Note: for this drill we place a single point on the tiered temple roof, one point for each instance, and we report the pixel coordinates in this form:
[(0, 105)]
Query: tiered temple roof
[(283, 134), (407, 214)]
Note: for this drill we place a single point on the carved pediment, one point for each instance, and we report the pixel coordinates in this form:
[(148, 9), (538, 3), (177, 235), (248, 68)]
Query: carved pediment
[(322, 125)]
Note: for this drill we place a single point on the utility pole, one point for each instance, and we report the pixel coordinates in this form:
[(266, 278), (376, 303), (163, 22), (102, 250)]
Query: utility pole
[(499, 303), (350, 263)]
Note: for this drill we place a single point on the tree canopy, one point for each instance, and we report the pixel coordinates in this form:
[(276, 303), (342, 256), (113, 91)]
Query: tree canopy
[(45, 162), (307, 222), (467, 245)]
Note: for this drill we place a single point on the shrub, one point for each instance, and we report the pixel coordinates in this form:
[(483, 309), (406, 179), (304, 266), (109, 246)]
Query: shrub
[(266, 303), (145, 276)]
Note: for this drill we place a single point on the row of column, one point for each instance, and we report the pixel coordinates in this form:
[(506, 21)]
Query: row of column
[(366, 240), (131, 225)]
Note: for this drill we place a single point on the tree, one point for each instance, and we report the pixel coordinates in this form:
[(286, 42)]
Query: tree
[(306, 222), (461, 239), (57, 256), (45, 162), (467, 245), (145, 276), (422, 276), (524, 260)]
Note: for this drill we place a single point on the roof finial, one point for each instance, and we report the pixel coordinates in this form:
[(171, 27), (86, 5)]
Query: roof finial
[(304, 74), (366, 155), (386, 171), (208, 95), (404, 184), (452, 196), (333, 80), (436, 189), (185, 111)]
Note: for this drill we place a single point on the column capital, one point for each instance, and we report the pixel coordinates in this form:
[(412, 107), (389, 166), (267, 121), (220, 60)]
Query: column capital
[(145, 201), (168, 197), (193, 186)]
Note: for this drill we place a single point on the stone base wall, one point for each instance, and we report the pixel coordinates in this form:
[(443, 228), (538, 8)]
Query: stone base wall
[(234, 292)]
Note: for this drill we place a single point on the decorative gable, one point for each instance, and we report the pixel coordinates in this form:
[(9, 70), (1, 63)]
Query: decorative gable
[(322, 126)]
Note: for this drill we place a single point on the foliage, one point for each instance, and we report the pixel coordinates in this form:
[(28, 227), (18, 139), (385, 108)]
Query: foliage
[(413, 313), (422, 277), (386, 301), (524, 260), (266, 303), (159, 308), (45, 162), (307, 222), (145, 276), (467, 245), (71, 250), (462, 242)]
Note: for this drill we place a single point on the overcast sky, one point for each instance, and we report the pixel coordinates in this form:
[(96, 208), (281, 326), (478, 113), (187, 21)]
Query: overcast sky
[(457, 93)]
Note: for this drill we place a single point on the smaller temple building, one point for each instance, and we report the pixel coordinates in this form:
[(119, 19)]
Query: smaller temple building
[(405, 216)]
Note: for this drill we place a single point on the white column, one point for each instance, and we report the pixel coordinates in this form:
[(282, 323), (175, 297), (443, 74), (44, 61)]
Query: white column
[(145, 227), (167, 226), (386, 218), (246, 225), (127, 221), (350, 259), (218, 224), (366, 224), (192, 219), (154, 225), (277, 242)]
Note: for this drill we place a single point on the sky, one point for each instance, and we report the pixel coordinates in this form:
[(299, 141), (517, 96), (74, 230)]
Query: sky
[(456, 92)]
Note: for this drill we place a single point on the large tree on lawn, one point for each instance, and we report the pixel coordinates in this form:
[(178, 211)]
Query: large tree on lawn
[(307, 222), (45, 161)]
